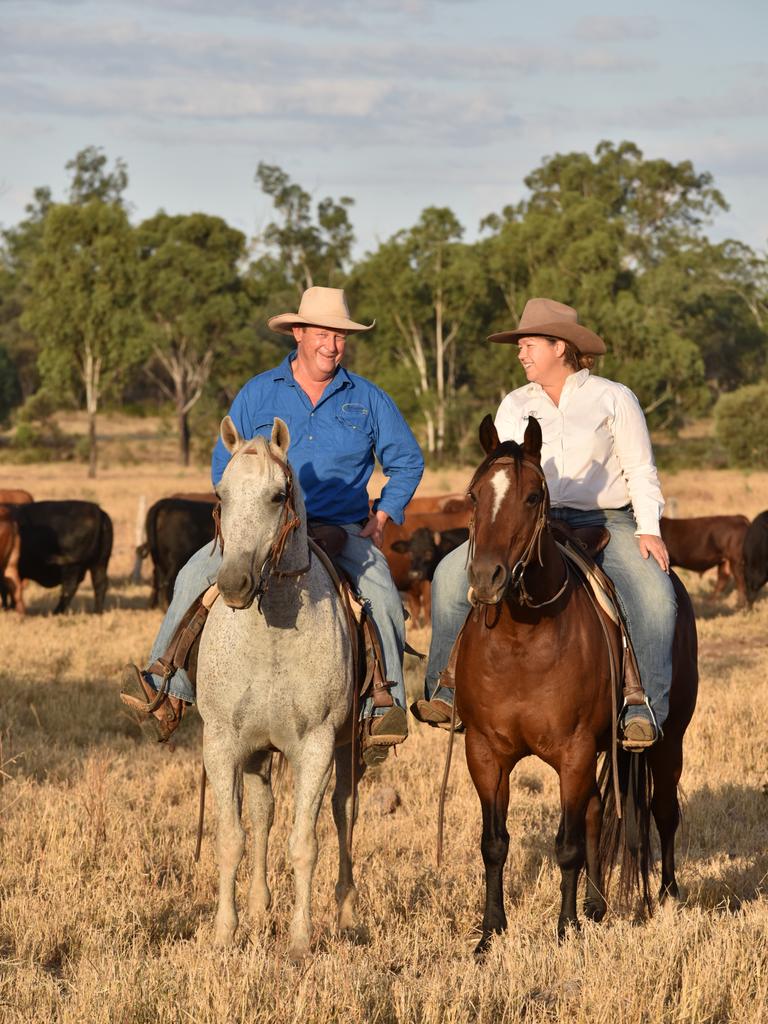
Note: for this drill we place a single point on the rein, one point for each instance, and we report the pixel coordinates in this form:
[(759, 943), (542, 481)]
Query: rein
[(290, 523), (517, 573)]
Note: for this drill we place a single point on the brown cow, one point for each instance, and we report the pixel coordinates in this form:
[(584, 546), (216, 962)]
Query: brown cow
[(416, 589), (438, 503), (16, 496), (706, 542), (10, 551)]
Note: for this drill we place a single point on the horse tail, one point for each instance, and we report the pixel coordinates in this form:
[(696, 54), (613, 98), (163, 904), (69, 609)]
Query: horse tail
[(626, 840)]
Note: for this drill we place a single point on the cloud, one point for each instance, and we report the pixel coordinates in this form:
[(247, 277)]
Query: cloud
[(616, 28)]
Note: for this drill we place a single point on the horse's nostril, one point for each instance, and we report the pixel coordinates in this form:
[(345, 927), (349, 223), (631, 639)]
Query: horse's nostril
[(497, 576)]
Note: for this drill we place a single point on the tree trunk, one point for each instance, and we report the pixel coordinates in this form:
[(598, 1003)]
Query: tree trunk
[(92, 453), (184, 438)]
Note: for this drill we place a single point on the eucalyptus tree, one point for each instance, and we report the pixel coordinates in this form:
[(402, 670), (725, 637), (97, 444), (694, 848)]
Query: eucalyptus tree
[(81, 304), (192, 298), (425, 286)]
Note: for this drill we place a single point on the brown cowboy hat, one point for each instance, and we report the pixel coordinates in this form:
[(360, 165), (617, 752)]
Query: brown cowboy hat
[(552, 319), (319, 307)]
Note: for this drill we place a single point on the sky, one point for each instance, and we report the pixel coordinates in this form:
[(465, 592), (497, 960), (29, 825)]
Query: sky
[(400, 104)]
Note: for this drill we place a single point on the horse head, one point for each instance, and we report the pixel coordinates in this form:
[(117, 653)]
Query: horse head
[(261, 506), (509, 498)]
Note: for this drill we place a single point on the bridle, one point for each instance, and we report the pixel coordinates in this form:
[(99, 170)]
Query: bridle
[(517, 572), (290, 522)]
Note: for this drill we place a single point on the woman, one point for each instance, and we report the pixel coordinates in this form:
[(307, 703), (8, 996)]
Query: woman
[(598, 463)]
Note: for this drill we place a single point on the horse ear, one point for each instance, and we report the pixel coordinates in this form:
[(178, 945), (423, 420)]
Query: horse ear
[(229, 435), (281, 436), (489, 438), (532, 439)]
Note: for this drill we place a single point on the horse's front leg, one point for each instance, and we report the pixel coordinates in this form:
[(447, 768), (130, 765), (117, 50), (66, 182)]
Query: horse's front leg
[(311, 761), (257, 781), (343, 792), (491, 780), (222, 771), (577, 788)]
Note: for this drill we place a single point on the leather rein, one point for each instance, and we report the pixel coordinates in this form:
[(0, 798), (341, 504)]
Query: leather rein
[(517, 572), (290, 522)]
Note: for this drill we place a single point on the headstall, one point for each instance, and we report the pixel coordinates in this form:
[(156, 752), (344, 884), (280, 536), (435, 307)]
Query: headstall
[(290, 523), (517, 572)]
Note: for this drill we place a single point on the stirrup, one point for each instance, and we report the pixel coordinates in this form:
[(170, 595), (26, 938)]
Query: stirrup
[(165, 710), (639, 732)]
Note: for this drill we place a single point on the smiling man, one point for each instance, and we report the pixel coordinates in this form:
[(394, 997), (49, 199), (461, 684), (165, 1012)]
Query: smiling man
[(339, 424)]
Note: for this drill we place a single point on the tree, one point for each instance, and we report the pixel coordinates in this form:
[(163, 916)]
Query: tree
[(192, 297), (424, 285), (81, 304), (308, 252), (91, 180)]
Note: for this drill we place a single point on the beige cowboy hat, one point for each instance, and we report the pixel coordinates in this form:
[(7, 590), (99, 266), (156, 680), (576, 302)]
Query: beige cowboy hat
[(319, 307), (552, 319)]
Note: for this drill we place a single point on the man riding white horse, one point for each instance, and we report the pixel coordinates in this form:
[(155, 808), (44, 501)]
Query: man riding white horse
[(339, 424)]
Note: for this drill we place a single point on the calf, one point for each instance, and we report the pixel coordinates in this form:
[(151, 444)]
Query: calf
[(60, 542), (413, 582), (756, 555), (706, 542)]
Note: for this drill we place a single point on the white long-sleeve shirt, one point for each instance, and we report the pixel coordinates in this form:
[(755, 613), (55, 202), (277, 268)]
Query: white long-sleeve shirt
[(596, 452)]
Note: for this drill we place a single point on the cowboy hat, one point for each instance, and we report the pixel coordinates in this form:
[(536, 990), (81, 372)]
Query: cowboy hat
[(319, 307), (551, 319)]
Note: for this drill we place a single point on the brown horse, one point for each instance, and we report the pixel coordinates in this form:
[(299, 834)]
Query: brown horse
[(533, 677)]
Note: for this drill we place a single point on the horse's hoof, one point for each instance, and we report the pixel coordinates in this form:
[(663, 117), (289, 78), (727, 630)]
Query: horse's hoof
[(224, 935), (566, 927), (298, 951), (483, 945), (595, 909)]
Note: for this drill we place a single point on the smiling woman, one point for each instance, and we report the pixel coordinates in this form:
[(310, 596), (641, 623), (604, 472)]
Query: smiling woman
[(597, 458)]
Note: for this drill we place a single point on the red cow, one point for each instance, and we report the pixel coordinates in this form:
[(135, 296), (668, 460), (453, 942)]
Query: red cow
[(408, 580), (10, 550), (706, 542), (16, 496)]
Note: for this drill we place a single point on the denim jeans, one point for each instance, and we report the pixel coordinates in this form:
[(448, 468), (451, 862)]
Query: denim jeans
[(644, 590), (364, 563)]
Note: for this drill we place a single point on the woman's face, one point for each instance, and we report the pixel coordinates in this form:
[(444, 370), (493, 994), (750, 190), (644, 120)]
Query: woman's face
[(542, 359)]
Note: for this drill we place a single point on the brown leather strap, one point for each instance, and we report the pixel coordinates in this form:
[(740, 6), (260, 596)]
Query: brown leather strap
[(176, 654)]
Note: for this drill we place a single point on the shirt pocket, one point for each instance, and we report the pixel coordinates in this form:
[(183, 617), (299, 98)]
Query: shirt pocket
[(355, 420)]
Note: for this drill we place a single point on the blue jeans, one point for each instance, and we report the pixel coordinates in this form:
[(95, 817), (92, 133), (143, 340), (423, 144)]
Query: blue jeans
[(361, 560), (644, 590)]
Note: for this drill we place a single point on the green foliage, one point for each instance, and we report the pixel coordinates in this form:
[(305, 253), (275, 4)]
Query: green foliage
[(741, 425), (10, 391), (91, 180), (195, 307)]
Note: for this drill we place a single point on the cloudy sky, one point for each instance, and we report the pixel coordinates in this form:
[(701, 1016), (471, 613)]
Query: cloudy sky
[(398, 103)]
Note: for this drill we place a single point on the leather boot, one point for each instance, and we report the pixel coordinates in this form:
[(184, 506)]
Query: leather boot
[(166, 715)]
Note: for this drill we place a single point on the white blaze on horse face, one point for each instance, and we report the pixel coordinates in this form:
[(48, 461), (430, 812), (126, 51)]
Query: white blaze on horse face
[(500, 483)]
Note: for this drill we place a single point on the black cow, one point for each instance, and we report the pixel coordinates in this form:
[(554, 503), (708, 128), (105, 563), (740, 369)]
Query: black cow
[(176, 529), (60, 542), (756, 555)]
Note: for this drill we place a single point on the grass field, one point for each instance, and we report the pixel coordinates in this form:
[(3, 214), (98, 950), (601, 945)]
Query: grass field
[(104, 917)]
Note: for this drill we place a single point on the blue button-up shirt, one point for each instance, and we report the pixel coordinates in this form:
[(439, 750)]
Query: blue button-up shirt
[(332, 443)]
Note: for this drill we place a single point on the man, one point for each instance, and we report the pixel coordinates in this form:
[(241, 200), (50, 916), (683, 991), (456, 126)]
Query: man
[(339, 423)]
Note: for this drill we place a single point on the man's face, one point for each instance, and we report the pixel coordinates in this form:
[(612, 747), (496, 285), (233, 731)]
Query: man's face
[(541, 359), (319, 350)]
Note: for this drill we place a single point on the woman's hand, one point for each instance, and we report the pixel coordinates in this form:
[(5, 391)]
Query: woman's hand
[(374, 528), (650, 545)]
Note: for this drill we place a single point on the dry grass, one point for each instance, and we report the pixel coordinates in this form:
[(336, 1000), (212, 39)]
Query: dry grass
[(105, 917)]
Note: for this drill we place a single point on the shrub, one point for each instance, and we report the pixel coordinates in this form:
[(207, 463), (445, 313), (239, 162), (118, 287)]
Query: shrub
[(741, 425)]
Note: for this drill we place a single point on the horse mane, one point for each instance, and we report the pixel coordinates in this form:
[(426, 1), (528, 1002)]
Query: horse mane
[(506, 449)]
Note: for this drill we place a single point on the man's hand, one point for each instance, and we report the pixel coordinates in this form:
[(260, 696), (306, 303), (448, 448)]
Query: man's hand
[(374, 528), (650, 545)]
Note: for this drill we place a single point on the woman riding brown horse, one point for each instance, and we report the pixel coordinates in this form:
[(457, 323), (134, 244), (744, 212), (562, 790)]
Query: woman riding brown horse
[(533, 677)]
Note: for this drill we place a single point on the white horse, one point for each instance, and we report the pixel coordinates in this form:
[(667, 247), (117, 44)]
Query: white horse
[(274, 673)]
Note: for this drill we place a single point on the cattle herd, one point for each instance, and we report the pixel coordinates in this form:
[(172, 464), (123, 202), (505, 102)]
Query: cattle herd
[(55, 543)]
